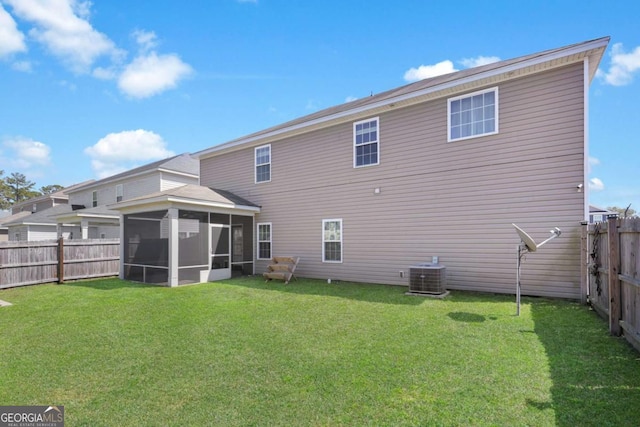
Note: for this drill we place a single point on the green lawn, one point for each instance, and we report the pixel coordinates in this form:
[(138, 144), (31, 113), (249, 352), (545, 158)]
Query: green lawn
[(243, 352)]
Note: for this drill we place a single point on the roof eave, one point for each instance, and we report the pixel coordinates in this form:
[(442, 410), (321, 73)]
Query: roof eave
[(572, 54), (168, 200)]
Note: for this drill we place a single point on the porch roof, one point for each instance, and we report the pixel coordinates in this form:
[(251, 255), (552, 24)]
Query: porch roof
[(100, 214), (187, 196)]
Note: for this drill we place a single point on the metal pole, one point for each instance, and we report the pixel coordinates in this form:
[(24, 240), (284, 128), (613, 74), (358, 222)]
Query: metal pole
[(518, 281)]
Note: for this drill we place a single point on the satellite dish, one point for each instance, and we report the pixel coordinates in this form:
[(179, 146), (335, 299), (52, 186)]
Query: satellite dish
[(527, 244), (526, 239)]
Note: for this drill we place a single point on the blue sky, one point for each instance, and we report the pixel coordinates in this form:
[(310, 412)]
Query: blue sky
[(89, 89)]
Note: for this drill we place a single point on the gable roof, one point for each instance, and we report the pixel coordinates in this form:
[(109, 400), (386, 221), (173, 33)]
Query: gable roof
[(183, 164), (423, 90)]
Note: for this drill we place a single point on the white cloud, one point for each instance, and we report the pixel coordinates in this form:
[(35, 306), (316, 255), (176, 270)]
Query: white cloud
[(593, 161), (145, 39), (121, 151), (426, 71), (350, 98), (623, 66), (11, 39), (62, 26), (478, 61), (25, 153), (152, 74), (595, 184)]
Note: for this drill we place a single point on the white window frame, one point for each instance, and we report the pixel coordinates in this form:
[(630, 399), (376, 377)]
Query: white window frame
[(376, 142), (324, 257), (256, 164), (94, 198), (470, 95), (270, 241), (119, 192)]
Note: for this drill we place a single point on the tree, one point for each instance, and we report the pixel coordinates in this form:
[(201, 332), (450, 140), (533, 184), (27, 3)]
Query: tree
[(623, 212), (4, 204), (48, 189), (15, 189)]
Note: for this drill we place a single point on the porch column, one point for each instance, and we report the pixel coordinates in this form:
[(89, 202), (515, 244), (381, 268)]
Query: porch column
[(173, 247), (84, 223), (122, 243)]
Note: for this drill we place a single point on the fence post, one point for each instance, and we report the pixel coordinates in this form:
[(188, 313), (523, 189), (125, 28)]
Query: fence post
[(615, 308), (60, 260), (584, 261)]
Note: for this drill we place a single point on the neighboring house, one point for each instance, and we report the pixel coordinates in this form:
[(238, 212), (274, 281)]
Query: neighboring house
[(38, 225), (362, 191), (40, 203), (32, 219), (4, 231), (597, 214), (88, 212)]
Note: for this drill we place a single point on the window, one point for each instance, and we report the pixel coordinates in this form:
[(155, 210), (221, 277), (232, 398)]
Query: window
[(263, 163), (474, 114), (365, 143), (94, 198), (264, 240), (119, 193), (332, 240)]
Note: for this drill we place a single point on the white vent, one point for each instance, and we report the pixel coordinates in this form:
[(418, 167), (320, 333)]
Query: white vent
[(428, 279)]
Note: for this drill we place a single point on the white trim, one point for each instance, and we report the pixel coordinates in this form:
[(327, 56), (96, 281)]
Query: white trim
[(164, 199), (258, 241), (377, 141), (255, 164), (469, 95), (324, 221), (585, 184)]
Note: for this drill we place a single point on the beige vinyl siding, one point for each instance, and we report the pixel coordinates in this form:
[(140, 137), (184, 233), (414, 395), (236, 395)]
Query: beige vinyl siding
[(456, 200)]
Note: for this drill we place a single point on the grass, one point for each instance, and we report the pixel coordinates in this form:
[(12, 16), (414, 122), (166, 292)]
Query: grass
[(242, 352)]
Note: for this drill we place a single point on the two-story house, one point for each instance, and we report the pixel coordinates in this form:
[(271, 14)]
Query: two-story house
[(88, 212), (362, 191), (34, 219)]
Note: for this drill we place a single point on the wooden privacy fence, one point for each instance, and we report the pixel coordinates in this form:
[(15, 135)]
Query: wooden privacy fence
[(30, 263), (613, 286)]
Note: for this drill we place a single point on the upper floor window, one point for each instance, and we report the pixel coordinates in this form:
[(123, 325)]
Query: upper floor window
[(94, 199), (365, 143), (474, 114), (119, 193), (263, 163), (332, 240)]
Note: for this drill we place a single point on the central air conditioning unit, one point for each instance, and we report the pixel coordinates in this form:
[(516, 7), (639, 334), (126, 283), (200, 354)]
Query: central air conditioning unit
[(430, 279)]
